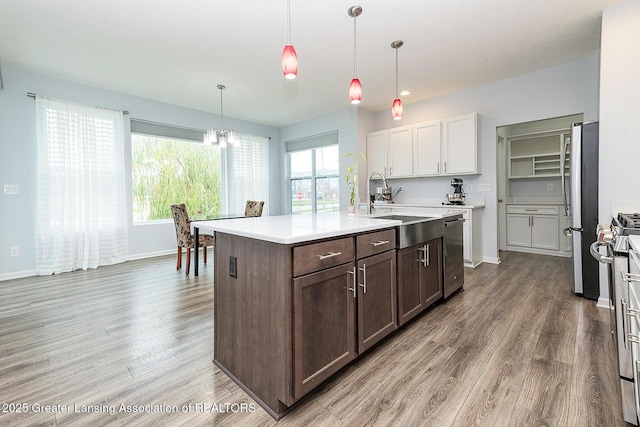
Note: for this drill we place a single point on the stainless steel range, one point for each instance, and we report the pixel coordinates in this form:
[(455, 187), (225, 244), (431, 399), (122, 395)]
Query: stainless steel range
[(616, 241)]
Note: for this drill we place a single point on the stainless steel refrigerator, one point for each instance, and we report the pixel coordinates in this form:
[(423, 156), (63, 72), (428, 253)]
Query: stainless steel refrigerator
[(580, 196)]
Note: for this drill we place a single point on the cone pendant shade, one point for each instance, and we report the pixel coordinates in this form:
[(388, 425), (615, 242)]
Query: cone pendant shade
[(397, 109), (355, 91), (289, 62)]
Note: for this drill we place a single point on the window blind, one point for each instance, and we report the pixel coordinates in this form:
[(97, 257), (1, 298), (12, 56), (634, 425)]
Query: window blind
[(248, 172), (160, 129), (319, 140)]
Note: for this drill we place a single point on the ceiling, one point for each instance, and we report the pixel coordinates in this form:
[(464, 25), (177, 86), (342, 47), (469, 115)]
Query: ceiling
[(178, 51)]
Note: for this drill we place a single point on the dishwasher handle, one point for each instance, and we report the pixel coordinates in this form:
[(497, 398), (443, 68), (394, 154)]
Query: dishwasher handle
[(454, 222)]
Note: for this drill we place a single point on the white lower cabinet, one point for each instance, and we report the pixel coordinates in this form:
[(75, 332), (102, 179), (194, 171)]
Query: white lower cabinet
[(534, 229)]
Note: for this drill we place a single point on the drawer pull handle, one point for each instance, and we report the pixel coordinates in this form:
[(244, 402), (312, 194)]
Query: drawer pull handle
[(329, 255), (381, 242)]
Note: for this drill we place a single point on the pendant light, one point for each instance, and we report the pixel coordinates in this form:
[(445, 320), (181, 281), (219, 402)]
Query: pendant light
[(289, 56), (396, 108), (220, 136), (355, 88)]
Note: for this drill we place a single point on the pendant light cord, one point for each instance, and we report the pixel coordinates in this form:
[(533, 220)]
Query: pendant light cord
[(396, 72), (354, 47), (288, 21), (221, 110)]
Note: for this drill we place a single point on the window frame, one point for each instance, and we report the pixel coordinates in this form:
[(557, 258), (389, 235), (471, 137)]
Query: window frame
[(314, 177)]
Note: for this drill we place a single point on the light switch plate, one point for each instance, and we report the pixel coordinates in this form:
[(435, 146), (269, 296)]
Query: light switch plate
[(11, 189), (484, 187)]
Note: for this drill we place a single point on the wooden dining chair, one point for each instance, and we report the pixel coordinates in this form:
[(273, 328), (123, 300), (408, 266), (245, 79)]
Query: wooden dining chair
[(253, 208), (185, 238)]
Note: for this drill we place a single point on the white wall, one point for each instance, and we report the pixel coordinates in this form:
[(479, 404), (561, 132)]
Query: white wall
[(570, 88), (619, 177), (18, 160)]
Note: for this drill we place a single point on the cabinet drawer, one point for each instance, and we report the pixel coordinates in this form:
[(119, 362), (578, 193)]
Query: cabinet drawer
[(318, 256), (375, 243), (532, 210)]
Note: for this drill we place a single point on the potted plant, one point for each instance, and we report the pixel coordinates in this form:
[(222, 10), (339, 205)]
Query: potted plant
[(352, 180)]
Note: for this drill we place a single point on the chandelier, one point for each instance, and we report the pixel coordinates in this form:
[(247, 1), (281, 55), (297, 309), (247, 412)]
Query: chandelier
[(220, 137)]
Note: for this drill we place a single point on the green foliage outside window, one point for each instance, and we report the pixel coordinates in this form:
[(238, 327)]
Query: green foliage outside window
[(167, 171)]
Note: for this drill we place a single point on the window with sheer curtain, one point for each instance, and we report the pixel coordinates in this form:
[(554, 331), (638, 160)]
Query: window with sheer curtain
[(81, 214), (247, 172)]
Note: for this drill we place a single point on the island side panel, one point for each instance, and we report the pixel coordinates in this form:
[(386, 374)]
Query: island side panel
[(252, 332)]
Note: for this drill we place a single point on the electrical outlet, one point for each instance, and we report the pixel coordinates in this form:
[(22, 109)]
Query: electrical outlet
[(469, 188), (550, 186), (15, 250)]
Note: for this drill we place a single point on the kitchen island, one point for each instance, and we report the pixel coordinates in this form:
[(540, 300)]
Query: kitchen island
[(298, 297)]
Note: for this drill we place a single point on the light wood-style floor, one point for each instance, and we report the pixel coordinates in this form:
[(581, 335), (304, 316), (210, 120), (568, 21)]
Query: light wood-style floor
[(516, 348)]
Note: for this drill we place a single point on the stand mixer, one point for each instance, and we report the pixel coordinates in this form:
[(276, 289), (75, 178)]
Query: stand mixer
[(457, 197)]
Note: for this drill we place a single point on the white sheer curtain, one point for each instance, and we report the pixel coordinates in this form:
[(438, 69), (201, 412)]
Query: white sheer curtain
[(81, 215), (247, 172)]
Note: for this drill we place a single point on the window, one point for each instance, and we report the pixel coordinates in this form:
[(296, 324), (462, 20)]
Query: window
[(314, 179), (170, 170), (172, 165)]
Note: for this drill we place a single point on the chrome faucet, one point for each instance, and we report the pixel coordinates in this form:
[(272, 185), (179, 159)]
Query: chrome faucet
[(384, 182)]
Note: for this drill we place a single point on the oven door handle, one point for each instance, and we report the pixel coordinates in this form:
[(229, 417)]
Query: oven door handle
[(593, 249)]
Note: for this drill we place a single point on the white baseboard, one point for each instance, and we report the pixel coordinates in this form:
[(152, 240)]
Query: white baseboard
[(17, 275), (30, 273), (603, 303), (151, 254), (491, 260)]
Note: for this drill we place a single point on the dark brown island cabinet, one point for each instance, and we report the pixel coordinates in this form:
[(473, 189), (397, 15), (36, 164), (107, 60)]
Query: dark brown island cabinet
[(419, 278), (288, 316)]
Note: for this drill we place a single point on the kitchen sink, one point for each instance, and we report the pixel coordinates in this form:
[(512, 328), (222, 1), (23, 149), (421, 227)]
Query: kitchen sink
[(416, 229)]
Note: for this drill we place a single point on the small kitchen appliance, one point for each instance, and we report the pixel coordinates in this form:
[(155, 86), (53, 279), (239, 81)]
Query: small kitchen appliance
[(457, 197)]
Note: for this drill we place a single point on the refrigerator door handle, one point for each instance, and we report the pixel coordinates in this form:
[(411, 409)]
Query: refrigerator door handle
[(563, 178)]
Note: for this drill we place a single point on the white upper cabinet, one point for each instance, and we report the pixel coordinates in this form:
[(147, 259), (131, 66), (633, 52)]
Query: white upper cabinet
[(377, 152), (400, 152), (426, 153), (441, 147), (460, 144)]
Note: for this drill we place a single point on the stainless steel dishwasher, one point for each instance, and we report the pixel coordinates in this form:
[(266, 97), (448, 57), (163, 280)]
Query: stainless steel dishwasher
[(453, 255)]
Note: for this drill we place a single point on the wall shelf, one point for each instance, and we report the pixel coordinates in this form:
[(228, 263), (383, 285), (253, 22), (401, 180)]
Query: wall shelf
[(537, 155)]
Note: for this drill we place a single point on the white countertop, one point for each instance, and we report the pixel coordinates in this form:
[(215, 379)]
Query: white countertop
[(297, 228), (288, 229)]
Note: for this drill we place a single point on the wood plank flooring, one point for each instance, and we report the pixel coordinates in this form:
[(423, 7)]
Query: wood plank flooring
[(516, 348)]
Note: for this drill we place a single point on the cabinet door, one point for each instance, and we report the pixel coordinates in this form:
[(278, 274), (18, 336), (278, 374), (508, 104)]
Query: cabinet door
[(426, 148), (376, 298), (409, 298), (323, 326), (519, 230), (544, 232), (377, 152), (400, 152), (460, 142), (432, 272)]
